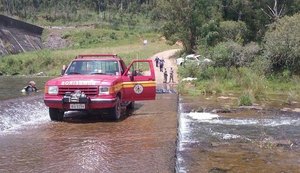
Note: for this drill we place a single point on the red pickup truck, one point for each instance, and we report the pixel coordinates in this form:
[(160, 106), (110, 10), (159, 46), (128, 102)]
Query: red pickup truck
[(100, 82)]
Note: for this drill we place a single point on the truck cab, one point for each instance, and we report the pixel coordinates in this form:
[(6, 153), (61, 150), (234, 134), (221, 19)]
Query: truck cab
[(100, 82)]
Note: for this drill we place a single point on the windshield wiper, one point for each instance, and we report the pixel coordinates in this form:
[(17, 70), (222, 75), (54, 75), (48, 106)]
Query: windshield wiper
[(74, 72), (97, 73)]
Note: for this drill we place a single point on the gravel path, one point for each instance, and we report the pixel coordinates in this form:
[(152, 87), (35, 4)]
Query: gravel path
[(169, 62)]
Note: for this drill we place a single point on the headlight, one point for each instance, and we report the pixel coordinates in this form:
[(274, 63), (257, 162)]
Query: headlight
[(104, 90), (53, 90)]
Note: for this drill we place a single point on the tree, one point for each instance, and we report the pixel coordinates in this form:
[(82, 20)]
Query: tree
[(282, 44), (232, 30), (274, 12), (249, 12), (184, 19), (210, 33)]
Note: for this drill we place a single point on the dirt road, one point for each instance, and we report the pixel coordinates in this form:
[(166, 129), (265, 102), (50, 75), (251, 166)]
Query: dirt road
[(169, 62)]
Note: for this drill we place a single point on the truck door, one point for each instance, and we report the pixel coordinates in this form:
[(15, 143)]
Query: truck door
[(139, 81)]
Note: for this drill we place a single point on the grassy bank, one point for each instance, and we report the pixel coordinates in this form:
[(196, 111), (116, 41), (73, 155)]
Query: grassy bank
[(127, 44), (247, 84)]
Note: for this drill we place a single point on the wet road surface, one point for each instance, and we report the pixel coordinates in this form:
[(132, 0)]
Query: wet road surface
[(144, 141)]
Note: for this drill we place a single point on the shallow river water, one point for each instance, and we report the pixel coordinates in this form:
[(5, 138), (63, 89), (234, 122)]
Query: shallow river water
[(244, 140), (165, 135)]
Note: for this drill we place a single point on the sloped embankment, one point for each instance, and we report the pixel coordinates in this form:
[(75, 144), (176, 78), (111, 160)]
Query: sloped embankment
[(17, 36)]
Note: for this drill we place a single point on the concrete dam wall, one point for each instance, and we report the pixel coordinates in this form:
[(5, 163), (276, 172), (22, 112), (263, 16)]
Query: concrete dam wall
[(17, 36)]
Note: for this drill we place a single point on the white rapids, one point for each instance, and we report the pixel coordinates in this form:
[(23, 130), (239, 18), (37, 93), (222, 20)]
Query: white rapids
[(199, 127), (22, 114)]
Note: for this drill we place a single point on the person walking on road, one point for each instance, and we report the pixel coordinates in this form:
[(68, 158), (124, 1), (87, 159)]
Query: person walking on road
[(161, 64), (165, 76), (156, 61), (171, 75)]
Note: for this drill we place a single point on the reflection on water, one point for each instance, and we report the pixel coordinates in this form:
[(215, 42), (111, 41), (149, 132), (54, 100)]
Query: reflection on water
[(11, 86)]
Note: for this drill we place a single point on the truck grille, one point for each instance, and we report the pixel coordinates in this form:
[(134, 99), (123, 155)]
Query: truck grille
[(89, 91)]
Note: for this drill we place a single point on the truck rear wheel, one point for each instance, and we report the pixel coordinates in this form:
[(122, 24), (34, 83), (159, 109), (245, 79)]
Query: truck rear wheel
[(116, 111), (56, 114)]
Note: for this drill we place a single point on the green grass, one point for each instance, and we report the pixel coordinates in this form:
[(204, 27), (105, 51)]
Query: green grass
[(245, 99), (259, 88), (127, 45)]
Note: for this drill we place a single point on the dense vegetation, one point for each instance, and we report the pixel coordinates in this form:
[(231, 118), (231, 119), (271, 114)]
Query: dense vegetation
[(254, 44), (118, 14)]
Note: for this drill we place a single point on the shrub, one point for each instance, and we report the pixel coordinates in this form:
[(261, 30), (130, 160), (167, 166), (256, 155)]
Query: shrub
[(249, 80), (261, 65), (189, 70), (231, 54), (113, 36), (212, 73), (245, 99), (232, 30), (282, 44), (126, 35), (181, 88), (221, 55), (250, 52), (210, 87), (87, 34)]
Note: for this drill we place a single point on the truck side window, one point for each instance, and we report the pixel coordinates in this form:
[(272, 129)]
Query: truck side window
[(140, 69)]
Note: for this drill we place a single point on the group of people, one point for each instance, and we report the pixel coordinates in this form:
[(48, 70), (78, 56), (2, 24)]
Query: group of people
[(160, 63)]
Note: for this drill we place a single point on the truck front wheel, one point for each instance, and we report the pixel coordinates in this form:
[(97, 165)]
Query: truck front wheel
[(56, 114), (116, 111), (130, 106)]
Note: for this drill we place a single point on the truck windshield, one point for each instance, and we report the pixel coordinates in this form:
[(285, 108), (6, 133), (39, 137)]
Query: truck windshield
[(105, 67)]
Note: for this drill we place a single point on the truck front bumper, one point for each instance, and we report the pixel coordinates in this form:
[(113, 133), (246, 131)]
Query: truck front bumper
[(89, 103)]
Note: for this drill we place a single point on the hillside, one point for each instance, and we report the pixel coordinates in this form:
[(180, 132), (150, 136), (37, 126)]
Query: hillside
[(17, 36)]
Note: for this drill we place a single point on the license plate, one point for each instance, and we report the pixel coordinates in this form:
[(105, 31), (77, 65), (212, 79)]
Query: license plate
[(77, 106)]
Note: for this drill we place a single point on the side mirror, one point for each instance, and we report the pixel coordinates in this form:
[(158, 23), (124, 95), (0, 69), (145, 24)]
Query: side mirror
[(63, 70)]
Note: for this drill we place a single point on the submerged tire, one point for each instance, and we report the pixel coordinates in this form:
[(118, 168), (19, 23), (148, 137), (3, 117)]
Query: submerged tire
[(116, 111), (56, 114), (130, 106)]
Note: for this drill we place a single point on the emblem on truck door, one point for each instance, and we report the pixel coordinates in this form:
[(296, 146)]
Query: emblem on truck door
[(138, 88)]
